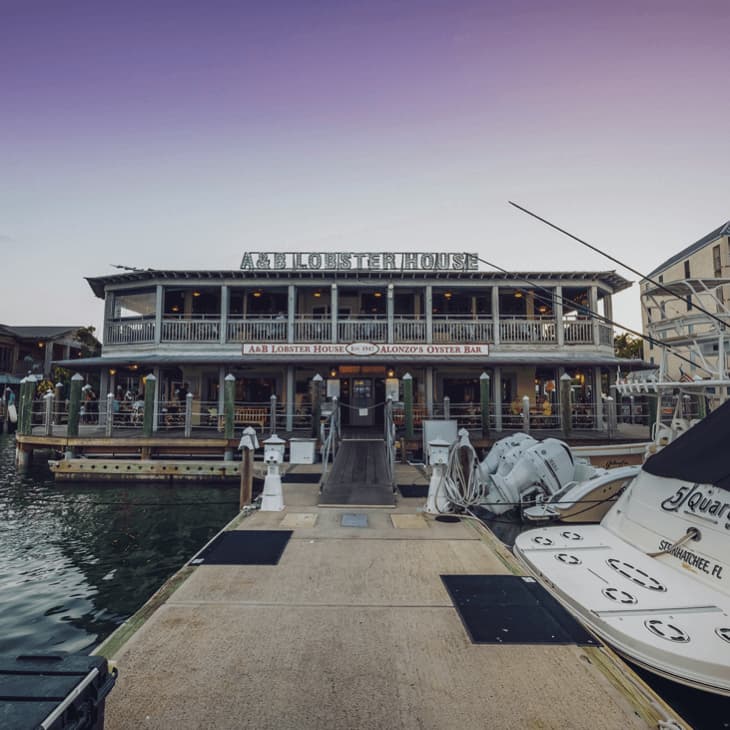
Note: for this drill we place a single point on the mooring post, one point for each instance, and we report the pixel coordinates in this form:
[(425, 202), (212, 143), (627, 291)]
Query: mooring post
[(610, 417), (484, 402), (148, 417), (272, 414), (48, 413), (22, 406), (408, 404), (249, 443), (109, 424), (229, 399), (188, 415), (74, 405), (566, 417), (447, 408), (316, 392)]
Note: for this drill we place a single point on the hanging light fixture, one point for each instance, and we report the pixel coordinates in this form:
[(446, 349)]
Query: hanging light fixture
[(518, 294), (317, 294), (447, 295), (257, 293), (196, 293)]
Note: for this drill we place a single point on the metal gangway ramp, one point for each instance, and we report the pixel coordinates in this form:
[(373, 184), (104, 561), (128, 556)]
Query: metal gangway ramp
[(361, 476)]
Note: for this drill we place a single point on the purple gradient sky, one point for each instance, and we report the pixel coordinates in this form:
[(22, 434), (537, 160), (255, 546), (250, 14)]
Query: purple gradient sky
[(179, 134)]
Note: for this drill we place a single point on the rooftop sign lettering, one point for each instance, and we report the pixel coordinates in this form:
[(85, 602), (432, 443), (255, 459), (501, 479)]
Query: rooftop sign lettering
[(332, 261)]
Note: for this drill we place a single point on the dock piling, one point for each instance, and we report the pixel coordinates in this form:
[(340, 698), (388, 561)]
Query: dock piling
[(74, 405), (148, 418)]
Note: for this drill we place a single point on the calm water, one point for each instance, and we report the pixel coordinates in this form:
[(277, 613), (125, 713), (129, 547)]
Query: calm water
[(77, 560)]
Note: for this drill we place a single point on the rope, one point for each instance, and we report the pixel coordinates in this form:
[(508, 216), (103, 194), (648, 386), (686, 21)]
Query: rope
[(692, 534)]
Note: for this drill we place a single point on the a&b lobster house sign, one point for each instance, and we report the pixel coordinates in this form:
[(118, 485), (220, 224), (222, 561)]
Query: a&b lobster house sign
[(366, 349), (352, 261)]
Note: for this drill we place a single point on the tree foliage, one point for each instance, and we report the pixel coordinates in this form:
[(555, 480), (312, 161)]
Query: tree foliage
[(628, 346)]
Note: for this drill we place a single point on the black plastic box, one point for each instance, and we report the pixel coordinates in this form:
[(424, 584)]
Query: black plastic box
[(54, 692)]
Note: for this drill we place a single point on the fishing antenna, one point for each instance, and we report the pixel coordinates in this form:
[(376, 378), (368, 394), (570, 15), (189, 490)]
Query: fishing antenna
[(596, 315), (658, 284)]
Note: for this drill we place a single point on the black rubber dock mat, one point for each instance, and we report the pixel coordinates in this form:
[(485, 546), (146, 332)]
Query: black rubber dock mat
[(512, 609), (244, 547), (359, 477), (413, 490), (303, 478)]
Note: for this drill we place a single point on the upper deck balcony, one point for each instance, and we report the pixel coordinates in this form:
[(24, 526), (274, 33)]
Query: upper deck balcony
[(218, 315)]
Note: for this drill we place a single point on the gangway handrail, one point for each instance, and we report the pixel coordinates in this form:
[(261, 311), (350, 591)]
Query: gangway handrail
[(390, 432), (330, 436)]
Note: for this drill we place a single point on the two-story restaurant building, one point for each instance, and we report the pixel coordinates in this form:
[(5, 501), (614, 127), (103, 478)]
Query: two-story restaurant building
[(361, 321)]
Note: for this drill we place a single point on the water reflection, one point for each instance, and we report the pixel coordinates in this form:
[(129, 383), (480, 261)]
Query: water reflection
[(77, 560)]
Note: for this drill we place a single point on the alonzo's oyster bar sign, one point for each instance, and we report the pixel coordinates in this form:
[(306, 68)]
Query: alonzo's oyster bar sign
[(351, 261), (366, 349)]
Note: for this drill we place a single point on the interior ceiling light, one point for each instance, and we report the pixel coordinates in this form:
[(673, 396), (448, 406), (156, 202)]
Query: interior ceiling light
[(196, 293), (542, 309), (317, 294), (518, 294), (257, 293), (378, 294), (447, 295)]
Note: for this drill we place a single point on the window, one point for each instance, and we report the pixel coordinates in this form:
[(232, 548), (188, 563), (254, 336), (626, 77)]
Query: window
[(689, 302), (716, 263), (648, 315), (686, 269), (661, 278)]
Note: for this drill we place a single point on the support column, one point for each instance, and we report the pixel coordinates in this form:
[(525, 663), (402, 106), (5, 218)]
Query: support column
[(290, 398), (224, 314), (47, 357), (334, 310), (74, 405), (429, 314), (497, 392), (291, 312), (558, 310), (598, 396), (316, 396), (221, 388), (229, 401), (159, 306), (156, 404), (429, 391), (390, 309), (104, 388), (593, 303), (495, 334), (566, 415)]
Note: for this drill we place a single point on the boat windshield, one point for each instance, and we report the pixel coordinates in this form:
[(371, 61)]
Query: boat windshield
[(700, 454)]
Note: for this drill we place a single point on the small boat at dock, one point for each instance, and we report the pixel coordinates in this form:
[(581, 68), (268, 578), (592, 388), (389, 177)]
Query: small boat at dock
[(653, 578)]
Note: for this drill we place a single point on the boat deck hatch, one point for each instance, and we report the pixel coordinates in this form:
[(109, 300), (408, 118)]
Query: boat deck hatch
[(354, 519), (512, 609)]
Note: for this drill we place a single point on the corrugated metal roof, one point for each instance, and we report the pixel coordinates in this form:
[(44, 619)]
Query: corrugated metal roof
[(723, 230)]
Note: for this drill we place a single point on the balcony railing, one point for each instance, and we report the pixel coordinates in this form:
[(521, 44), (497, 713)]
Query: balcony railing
[(527, 330), (362, 330), (191, 330), (129, 332), (579, 331), (512, 330), (448, 329), (257, 330)]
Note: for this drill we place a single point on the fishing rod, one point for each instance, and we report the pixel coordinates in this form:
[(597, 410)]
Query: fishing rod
[(658, 284), (596, 315)]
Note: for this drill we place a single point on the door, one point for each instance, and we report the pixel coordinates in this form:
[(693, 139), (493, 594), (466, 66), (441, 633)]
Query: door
[(361, 402)]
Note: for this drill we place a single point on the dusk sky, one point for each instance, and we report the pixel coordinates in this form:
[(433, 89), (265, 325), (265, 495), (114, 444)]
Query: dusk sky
[(180, 134)]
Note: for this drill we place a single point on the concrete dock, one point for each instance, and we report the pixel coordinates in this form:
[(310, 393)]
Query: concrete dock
[(354, 629)]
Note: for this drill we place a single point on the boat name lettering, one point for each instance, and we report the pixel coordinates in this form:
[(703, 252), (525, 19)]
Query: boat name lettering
[(692, 559), (695, 500), (351, 261)]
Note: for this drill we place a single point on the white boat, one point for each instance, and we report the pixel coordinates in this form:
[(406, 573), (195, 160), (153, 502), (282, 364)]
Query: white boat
[(653, 578)]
